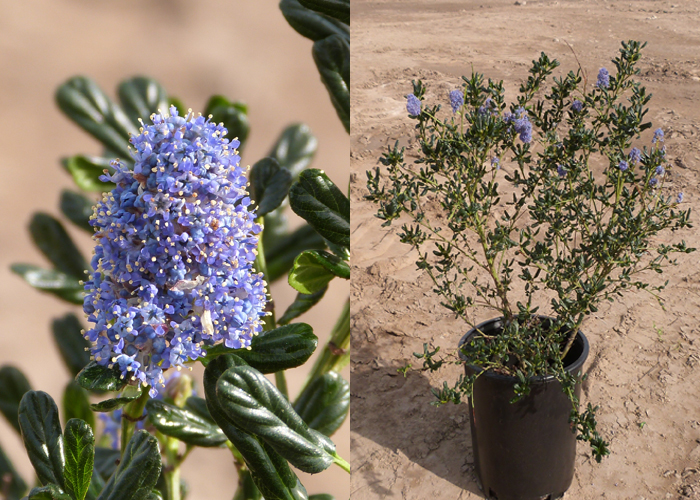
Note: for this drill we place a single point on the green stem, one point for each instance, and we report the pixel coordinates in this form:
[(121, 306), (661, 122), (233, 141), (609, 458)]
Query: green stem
[(131, 414), (341, 463), (172, 472)]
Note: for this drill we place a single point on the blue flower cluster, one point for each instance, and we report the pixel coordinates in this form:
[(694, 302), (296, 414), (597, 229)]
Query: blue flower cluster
[(456, 100), (603, 81), (413, 105), (173, 264), (577, 106), (521, 124)]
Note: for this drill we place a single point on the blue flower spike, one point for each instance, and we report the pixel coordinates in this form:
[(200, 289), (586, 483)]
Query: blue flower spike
[(176, 240)]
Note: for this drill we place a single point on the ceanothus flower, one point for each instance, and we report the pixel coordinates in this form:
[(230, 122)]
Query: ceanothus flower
[(577, 105), (660, 170), (680, 198), (653, 181), (173, 264), (456, 100), (623, 165), (486, 107), (522, 125), (496, 162), (413, 105), (603, 79), (658, 136), (561, 171), (635, 155)]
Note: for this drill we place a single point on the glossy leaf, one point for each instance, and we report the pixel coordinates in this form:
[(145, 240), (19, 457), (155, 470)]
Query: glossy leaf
[(322, 496), (106, 460), (270, 472), (60, 284), (140, 97), (310, 24), (325, 402), (314, 269), (250, 400), (96, 377), (137, 472), (270, 185), (51, 238), (337, 9), (84, 102), (43, 440), (281, 254), (80, 456), (48, 492), (77, 208), (12, 483), (131, 393), (76, 404), (332, 57), (71, 343), (295, 148), (280, 349), (184, 424), (234, 116), (13, 386), (316, 199), (87, 170), (301, 304)]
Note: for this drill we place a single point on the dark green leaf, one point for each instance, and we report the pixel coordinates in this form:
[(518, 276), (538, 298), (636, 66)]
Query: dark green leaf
[(52, 239), (48, 492), (234, 116), (184, 424), (84, 102), (325, 402), (337, 9), (246, 487), (96, 377), (285, 347), (316, 199), (13, 385), (41, 433), (332, 57), (76, 404), (77, 208), (131, 393), (314, 269), (312, 24), (137, 472), (60, 284), (71, 343), (80, 456), (106, 461), (97, 484), (322, 496), (250, 400), (271, 473), (140, 97), (12, 483), (270, 184), (87, 170), (301, 304), (281, 253), (295, 148)]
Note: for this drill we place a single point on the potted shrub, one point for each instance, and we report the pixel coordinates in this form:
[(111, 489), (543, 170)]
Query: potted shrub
[(531, 214)]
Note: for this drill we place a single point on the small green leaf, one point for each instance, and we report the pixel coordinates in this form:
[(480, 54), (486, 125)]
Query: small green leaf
[(184, 424), (106, 460), (80, 456), (140, 97), (137, 472), (250, 400), (51, 238), (295, 148), (314, 269), (96, 377), (337, 9), (310, 24), (41, 433), (87, 170), (316, 199), (48, 492), (77, 208), (84, 102), (131, 393), (322, 496), (301, 304), (270, 184), (234, 116), (60, 284), (281, 253), (12, 483), (13, 385), (71, 343), (76, 404), (332, 57), (325, 402)]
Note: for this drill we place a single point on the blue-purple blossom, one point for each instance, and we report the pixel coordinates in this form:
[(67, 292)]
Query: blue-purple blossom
[(522, 125), (658, 136), (603, 79), (577, 106), (660, 170), (680, 198), (635, 155), (456, 100), (486, 107), (653, 181), (561, 171), (173, 264), (413, 105), (112, 426), (496, 162), (623, 165)]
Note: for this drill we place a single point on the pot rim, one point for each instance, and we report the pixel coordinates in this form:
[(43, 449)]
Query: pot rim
[(571, 368)]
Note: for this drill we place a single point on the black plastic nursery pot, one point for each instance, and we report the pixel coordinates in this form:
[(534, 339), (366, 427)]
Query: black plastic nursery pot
[(524, 450)]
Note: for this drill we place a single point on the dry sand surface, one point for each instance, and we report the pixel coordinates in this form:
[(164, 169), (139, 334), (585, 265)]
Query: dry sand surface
[(243, 50), (645, 362)]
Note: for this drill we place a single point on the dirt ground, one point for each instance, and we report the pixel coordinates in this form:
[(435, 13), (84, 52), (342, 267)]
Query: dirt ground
[(243, 50), (644, 364)]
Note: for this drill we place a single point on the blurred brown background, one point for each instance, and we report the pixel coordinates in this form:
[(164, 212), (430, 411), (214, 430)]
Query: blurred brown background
[(244, 50)]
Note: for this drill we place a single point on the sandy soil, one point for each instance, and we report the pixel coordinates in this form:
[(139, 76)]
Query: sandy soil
[(645, 361), (244, 50)]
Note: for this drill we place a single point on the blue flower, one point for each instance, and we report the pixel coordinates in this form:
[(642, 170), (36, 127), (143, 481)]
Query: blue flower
[(456, 100), (496, 162), (623, 165), (660, 170), (561, 171), (653, 181), (175, 246), (658, 136), (577, 106), (603, 79), (521, 124), (112, 426), (413, 105), (680, 198), (635, 155), (486, 107)]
